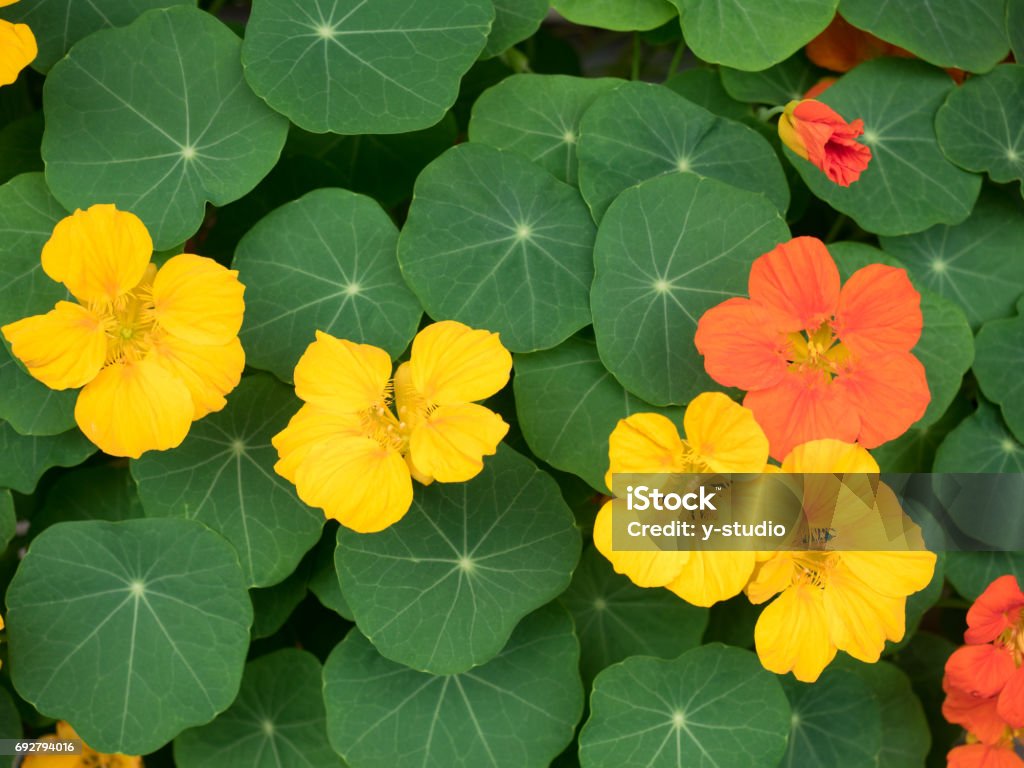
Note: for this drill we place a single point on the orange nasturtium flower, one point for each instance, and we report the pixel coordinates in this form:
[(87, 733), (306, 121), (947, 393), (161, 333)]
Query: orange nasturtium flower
[(818, 134), (17, 48), (351, 455), (816, 361), (88, 758), (152, 350), (831, 600), (721, 436), (976, 754)]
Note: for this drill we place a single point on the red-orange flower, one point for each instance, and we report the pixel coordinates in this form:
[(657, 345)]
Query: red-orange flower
[(841, 47), (999, 608), (818, 361), (817, 133), (977, 715), (980, 755)]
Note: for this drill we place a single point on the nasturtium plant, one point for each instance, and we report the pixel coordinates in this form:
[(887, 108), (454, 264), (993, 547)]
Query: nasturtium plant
[(327, 325)]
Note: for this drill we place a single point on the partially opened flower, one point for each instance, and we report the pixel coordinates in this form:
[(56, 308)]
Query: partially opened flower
[(87, 758), (981, 755), (817, 133), (153, 350), (720, 436), (17, 48), (818, 361), (350, 454), (841, 46), (830, 600)]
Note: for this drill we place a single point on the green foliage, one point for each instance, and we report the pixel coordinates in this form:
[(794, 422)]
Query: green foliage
[(623, 15)]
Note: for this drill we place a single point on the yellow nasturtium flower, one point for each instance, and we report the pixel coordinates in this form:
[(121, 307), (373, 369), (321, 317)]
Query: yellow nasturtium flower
[(88, 758), (828, 600), (153, 350), (351, 455), (17, 48), (721, 436)]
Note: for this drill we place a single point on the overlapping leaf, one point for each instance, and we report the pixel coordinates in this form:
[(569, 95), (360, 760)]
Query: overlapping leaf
[(703, 87), (970, 573), (514, 21), (27, 458), (1000, 367), (981, 443), (777, 85), (622, 15)]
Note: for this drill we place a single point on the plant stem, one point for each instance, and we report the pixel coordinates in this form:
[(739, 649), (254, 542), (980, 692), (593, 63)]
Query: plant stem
[(635, 72), (676, 58), (837, 227)]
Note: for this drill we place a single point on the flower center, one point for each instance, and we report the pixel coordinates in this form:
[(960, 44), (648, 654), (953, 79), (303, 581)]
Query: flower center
[(380, 423), (819, 350), (130, 324), (813, 568)]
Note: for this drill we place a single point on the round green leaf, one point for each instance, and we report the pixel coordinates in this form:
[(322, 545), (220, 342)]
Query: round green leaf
[(442, 589), (8, 520), (27, 458), (968, 34), (664, 255), (496, 242), (776, 85), (975, 264), (222, 475), (909, 184), (924, 661), (10, 724), (103, 492), (979, 125), (1000, 367), (278, 719), (538, 116), (158, 605), (390, 66), (752, 34), (915, 450), (703, 86), (514, 21), (19, 146), (616, 619), (325, 262), (271, 606), (713, 706), (1015, 26), (323, 576), (568, 404), (59, 24), (28, 405), (971, 572), (981, 443), (821, 732), (517, 711), (156, 118), (639, 131), (620, 15)]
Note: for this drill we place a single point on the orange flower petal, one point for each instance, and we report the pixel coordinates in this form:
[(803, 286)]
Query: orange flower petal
[(998, 608), (828, 141), (798, 283), (976, 714), (1011, 700), (879, 311), (741, 346), (64, 349), (841, 46), (889, 391), (980, 670), (983, 756), (198, 300)]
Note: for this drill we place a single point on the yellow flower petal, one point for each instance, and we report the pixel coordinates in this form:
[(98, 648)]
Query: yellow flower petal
[(133, 407), (772, 575), (411, 406), (709, 577), (88, 757), (860, 618), (209, 371), (451, 363), (645, 569), (309, 427), (5, 3), (450, 443), (791, 634), (64, 349), (829, 456), (18, 49), (644, 443), (341, 376), (896, 574), (357, 482), (99, 254), (198, 300), (724, 434)]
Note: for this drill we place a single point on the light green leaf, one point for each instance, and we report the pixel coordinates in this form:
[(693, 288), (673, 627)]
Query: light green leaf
[(703, 86), (665, 254), (156, 118), (713, 706), (619, 15), (1015, 27), (909, 184), (616, 619), (442, 589), (277, 720), (8, 520), (968, 34), (514, 21), (496, 242), (1000, 367), (568, 404), (981, 443), (823, 714), (27, 458), (223, 476), (272, 606), (517, 711), (752, 34), (323, 577), (777, 85), (102, 492), (158, 605), (390, 66), (639, 131), (979, 125), (59, 24), (976, 263), (538, 116), (971, 572), (325, 262)]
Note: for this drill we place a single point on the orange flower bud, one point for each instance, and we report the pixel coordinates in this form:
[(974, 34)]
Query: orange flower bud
[(818, 134)]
